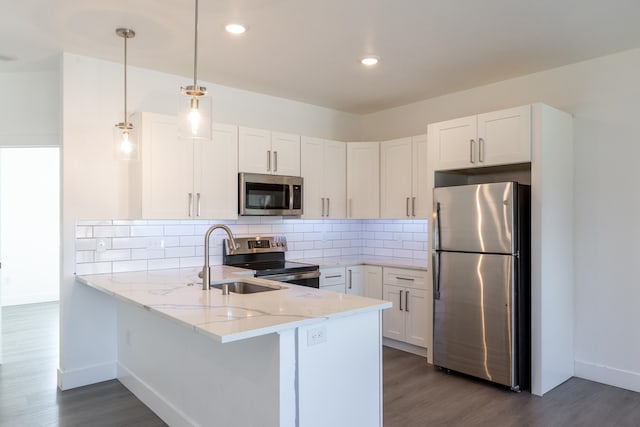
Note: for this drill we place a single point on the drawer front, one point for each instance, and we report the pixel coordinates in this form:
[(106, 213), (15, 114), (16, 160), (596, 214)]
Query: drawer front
[(332, 276), (407, 278)]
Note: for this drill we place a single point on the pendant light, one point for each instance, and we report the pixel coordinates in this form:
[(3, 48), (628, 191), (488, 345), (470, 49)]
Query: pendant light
[(124, 133), (195, 108)]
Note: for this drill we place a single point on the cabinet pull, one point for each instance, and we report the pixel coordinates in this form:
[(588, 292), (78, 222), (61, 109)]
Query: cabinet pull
[(350, 278), (275, 161), (269, 160), (335, 276), (400, 300), (190, 204), (328, 206), (322, 214), (406, 301), (481, 150), (411, 279), (198, 203), (413, 206), (407, 206), (472, 143)]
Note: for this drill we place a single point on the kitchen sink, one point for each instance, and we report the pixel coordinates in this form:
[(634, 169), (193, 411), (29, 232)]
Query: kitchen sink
[(245, 287)]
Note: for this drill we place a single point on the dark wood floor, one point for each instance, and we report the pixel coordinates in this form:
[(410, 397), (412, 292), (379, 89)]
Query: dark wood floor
[(415, 394)]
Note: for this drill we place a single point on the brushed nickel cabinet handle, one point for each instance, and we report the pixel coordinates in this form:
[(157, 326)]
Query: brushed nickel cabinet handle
[(269, 160), (472, 144), (481, 150), (407, 207), (406, 301), (190, 204), (400, 300), (275, 161), (411, 279), (198, 203), (328, 206), (350, 279), (413, 206), (322, 214)]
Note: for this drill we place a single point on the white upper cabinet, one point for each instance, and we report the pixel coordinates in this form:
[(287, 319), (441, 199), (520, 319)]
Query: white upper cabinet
[(403, 178), (323, 165), (182, 179), (363, 180), (263, 151), (490, 139)]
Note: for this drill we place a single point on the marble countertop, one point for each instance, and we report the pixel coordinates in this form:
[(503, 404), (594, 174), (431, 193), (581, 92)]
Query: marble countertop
[(177, 294), (366, 259)]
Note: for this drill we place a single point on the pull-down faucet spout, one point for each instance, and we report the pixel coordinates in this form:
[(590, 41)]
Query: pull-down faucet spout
[(205, 274)]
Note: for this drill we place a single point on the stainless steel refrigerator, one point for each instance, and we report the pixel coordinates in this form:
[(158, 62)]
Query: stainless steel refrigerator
[(481, 281)]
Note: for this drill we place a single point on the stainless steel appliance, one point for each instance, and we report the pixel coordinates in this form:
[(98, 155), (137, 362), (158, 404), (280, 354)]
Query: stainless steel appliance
[(260, 194), (265, 255), (481, 281)]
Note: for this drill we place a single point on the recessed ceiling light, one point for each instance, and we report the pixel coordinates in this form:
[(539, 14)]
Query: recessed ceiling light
[(369, 60), (235, 28)]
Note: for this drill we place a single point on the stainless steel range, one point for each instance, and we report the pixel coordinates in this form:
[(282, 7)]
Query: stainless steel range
[(265, 255)]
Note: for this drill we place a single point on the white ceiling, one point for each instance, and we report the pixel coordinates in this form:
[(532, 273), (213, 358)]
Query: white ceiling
[(308, 50)]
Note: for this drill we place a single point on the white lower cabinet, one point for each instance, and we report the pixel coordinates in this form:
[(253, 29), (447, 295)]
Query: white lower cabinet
[(410, 318), (332, 279), (364, 280)]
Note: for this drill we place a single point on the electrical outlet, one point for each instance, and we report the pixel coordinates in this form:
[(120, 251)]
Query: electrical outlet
[(316, 335), (101, 245), (155, 243)]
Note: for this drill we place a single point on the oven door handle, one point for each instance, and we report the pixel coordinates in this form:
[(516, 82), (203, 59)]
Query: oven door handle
[(285, 277)]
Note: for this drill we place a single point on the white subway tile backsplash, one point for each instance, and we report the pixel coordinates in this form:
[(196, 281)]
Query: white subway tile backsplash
[(147, 230), (156, 244)]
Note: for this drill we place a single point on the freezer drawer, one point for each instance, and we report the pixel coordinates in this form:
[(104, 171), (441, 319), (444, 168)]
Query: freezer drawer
[(476, 218), (474, 330)]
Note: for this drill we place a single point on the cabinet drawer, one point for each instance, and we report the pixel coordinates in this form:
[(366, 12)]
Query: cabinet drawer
[(332, 276), (407, 278)]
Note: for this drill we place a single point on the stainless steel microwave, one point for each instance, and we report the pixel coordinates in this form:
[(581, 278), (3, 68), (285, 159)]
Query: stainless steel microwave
[(260, 194)]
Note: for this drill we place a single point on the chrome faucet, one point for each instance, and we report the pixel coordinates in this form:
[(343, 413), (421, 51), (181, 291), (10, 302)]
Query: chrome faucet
[(205, 274)]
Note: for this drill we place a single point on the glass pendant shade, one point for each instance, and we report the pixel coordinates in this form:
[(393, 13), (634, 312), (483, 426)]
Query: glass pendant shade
[(195, 116), (126, 145)]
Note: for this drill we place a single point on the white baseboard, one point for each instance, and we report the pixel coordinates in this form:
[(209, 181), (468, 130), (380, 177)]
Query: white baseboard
[(154, 400), (409, 348), (85, 376), (607, 375)]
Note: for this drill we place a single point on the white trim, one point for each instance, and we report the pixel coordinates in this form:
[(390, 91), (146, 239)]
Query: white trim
[(152, 399), (403, 346), (85, 376), (30, 299), (607, 375)]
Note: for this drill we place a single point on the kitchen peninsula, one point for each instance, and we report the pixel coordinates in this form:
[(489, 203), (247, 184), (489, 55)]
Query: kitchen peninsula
[(294, 356)]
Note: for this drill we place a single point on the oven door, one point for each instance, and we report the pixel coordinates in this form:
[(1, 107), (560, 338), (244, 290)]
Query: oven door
[(307, 278)]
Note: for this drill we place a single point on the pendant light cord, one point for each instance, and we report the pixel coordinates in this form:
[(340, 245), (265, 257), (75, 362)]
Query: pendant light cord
[(126, 36), (195, 53)]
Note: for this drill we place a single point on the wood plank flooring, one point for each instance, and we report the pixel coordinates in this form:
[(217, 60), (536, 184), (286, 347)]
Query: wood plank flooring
[(415, 394)]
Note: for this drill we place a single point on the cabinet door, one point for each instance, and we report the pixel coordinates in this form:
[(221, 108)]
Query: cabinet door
[(312, 170), (455, 143), (285, 154), (355, 280), (334, 288), (254, 150), (396, 178), (363, 180), (372, 282), (418, 319), (393, 318), (335, 179), (216, 174), (167, 169), (504, 136), (419, 206)]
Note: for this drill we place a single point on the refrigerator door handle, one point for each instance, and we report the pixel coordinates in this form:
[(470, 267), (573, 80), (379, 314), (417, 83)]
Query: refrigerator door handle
[(436, 275), (436, 228)]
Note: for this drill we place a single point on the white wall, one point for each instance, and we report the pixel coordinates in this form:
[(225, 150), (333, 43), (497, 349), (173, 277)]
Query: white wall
[(30, 109), (604, 97), (95, 184)]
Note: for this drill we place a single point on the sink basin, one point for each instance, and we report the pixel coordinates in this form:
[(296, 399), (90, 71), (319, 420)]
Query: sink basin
[(244, 287)]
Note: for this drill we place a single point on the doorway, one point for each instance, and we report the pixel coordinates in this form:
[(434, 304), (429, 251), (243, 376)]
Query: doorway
[(29, 225)]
